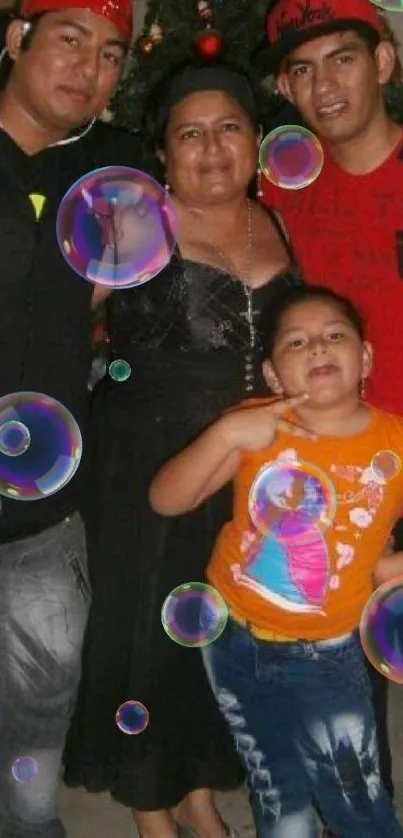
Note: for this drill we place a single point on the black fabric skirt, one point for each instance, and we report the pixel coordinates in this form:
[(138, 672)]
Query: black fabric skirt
[(136, 558)]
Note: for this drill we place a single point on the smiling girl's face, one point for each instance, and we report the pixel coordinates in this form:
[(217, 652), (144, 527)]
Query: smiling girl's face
[(318, 351)]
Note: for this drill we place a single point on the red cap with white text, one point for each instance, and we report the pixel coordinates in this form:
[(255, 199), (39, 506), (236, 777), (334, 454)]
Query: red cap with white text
[(117, 12), (292, 23)]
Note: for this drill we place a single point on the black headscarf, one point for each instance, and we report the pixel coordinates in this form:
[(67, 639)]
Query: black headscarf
[(193, 79)]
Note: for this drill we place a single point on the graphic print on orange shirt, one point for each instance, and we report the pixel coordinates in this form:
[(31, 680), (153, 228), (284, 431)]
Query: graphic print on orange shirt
[(296, 573)]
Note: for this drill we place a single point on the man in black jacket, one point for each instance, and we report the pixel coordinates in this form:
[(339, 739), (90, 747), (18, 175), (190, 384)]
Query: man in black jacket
[(64, 61)]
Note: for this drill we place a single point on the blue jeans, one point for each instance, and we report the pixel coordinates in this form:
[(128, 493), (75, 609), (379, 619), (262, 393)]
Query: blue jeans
[(302, 718), (44, 603)]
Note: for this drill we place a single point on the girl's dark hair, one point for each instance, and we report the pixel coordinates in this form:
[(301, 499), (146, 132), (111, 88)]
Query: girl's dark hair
[(272, 316)]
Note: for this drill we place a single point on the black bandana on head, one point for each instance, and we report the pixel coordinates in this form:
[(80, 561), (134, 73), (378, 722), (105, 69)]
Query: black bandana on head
[(194, 80)]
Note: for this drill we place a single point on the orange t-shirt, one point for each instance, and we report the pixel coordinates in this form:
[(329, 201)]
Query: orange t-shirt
[(299, 562)]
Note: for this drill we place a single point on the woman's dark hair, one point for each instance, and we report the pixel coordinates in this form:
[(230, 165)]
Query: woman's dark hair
[(191, 77), (272, 316)]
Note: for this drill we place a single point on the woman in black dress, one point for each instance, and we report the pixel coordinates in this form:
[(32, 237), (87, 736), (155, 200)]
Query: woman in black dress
[(191, 336)]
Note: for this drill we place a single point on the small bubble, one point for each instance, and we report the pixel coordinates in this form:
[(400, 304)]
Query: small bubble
[(132, 717), (14, 438), (194, 614), (120, 370), (24, 769)]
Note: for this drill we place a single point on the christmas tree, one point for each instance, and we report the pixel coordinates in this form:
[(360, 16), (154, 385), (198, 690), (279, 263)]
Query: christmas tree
[(178, 30)]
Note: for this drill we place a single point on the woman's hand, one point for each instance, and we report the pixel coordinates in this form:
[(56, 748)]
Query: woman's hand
[(254, 428)]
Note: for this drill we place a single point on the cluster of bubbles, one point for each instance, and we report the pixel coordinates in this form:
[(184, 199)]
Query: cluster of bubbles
[(117, 228), (193, 615)]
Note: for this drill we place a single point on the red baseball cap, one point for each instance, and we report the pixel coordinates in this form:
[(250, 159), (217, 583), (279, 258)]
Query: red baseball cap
[(291, 23), (118, 12)]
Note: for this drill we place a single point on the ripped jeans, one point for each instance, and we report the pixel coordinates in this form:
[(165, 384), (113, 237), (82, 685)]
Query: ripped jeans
[(302, 719), (44, 604)]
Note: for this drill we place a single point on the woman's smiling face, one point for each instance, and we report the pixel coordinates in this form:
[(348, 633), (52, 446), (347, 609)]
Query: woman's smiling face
[(211, 148)]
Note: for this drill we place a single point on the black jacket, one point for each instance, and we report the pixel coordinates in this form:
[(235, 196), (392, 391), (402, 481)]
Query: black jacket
[(44, 305)]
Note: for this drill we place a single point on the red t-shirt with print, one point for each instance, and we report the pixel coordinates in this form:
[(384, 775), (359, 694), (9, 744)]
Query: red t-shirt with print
[(347, 234)]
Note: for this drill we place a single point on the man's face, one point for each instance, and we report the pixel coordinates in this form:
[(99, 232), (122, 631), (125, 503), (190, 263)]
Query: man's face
[(335, 82), (70, 69)]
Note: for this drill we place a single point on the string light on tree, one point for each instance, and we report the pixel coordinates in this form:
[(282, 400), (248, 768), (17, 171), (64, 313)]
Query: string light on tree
[(204, 10), (146, 46), (208, 29), (156, 34), (153, 39)]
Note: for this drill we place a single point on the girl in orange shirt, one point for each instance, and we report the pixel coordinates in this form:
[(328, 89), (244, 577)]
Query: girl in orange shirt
[(318, 488)]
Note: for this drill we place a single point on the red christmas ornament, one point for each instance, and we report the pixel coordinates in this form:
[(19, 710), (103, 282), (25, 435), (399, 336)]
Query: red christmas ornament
[(208, 44)]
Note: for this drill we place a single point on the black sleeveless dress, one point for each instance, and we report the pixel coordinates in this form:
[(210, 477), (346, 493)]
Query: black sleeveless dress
[(186, 335)]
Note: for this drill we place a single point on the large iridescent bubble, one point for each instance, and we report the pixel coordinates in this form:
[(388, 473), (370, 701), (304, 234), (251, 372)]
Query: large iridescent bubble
[(381, 629), (291, 157), (117, 227), (292, 500), (194, 614), (53, 446)]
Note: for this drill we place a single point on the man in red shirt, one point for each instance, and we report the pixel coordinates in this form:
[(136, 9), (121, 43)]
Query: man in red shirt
[(347, 226)]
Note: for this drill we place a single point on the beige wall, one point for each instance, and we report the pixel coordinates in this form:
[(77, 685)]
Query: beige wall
[(139, 7), (396, 21)]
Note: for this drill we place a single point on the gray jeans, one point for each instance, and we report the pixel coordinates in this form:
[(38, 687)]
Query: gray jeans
[(44, 604)]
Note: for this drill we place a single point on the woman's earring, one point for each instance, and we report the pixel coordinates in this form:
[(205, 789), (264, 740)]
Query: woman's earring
[(259, 190), (363, 388), (167, 186)]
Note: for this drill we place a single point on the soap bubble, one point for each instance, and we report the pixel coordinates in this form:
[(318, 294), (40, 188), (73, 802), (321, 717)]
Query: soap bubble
[(24, 769), (291, 157), (117, 227), (54, 451), (120, 370), (132, 717), (381, 629), (292, 500), (194, 614), (14, 438)]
